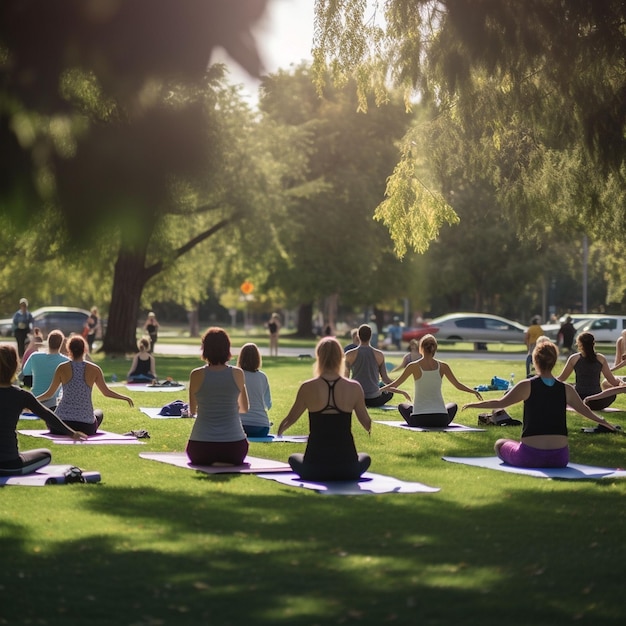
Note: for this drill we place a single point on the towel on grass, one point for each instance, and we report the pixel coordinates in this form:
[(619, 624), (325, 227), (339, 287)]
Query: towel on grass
[(573, 471), (48, 475), (450, 428), (101, 437), (252, 465), (155, 413), (369, 483)]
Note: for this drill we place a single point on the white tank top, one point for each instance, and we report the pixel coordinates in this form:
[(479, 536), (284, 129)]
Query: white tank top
[(427, 397)]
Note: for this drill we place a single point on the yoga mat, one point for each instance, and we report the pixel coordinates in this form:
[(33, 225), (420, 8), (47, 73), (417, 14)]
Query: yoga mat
[(450, 428), (573, 471), (132, 387), (281, 439), (369, 483), (101, 437), (29, 416), (153, 413), (49, 475), (384, 407), (252, 464)]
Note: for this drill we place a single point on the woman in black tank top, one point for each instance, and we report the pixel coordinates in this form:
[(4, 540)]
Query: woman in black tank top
[(330, 399)]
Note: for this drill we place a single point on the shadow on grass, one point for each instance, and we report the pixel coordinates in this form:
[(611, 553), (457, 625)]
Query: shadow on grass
[(301, 558)]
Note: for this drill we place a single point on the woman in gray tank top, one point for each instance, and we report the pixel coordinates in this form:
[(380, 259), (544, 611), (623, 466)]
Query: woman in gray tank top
[(217, 395)]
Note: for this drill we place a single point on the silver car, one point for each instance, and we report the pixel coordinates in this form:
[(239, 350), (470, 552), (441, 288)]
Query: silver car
[(478, 328)]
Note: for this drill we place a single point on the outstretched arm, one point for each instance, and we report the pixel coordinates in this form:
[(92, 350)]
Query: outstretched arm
[(106, 390), (519, 393), (573, 399), (449, 374)]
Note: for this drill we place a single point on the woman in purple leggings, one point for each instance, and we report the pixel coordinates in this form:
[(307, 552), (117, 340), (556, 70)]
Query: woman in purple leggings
[(544, 432)]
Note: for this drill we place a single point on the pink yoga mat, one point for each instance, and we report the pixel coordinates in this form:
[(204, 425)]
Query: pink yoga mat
[(101, 437), (253, 464)]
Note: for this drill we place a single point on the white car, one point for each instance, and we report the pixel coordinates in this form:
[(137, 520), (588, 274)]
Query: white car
[(477, 328), (605, 328)]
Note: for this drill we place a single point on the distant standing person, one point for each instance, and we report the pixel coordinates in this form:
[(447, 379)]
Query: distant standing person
[(533, 332), (374, 326), (217, 396), (566, 335), (77, 377), (152, 328), (92, 327), (255, 422), (23, 323), (273, 326)]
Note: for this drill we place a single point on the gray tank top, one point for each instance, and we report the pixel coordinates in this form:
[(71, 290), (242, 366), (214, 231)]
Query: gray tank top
[(365, 371), (218, 411), (75, 404)]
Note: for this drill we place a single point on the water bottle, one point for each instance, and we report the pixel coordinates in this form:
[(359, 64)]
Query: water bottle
[(512, 381)]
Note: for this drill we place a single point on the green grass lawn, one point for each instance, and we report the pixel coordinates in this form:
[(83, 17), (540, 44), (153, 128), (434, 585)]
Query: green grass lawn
[(154, 544)]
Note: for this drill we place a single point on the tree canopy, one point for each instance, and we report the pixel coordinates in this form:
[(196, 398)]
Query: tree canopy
[(556, 74)]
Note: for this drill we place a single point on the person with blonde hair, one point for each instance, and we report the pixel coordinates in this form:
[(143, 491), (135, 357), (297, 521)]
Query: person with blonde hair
[(544, 441), (93, 327), (151, 326), (255, 421), (411, 356), (428, 409), (330, 399), (13, 401), (143, 367)]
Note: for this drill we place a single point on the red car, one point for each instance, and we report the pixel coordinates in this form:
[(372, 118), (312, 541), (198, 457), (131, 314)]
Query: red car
[(417, 332)]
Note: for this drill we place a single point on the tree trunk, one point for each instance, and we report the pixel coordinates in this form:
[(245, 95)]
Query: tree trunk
[(193, 316), (305, 320), (129, 280)]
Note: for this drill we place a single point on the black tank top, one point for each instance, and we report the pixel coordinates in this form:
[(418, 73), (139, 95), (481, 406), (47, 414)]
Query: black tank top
[(330, 436), (545, 409)]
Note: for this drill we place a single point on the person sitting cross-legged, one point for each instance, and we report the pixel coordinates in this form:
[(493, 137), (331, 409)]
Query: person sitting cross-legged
[(367, 365), (544, 441)]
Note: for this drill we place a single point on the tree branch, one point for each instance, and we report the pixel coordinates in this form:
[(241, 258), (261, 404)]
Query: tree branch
[(159, 266)]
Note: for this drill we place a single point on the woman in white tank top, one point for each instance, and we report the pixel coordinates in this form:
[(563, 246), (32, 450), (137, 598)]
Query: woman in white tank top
[(429, 409)]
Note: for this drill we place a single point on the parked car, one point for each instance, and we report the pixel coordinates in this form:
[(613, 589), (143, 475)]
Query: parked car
[(417, 332), (605, 328), (64, 318), (478, 328)]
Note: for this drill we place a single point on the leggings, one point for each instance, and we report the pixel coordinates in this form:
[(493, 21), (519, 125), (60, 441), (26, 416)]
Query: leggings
[(349, 470), (520, 455), (428, 420), (84, 427), (26, 463), (210, 452), (383, 398), (598, 405)]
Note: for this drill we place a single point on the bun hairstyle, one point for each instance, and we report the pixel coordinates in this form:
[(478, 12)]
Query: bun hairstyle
[(428, 344)]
